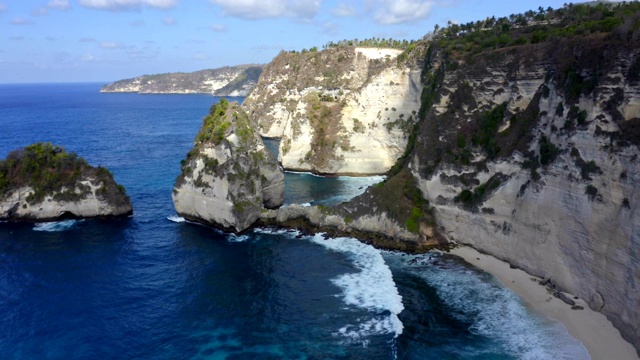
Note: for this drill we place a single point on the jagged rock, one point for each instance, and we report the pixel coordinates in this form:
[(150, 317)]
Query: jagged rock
[(343, 110), (43, 182), (226, 81), (229, 176), (564, 212)]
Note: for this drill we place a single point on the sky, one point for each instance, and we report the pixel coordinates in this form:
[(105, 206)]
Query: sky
[(45, 41)]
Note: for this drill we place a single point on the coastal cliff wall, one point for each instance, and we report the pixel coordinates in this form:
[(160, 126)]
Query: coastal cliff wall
[(226, 81), (344, 110), (229, 176), (531, 154), (43, 182)]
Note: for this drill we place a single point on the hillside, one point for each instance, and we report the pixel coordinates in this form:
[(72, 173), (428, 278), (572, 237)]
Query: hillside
[(525, 146), (226, 81)]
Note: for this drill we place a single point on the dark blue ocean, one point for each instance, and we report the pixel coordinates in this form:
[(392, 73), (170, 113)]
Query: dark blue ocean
[(153, 287)]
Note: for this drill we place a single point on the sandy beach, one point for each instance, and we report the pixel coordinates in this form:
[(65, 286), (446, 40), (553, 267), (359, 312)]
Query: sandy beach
[(592, 328)]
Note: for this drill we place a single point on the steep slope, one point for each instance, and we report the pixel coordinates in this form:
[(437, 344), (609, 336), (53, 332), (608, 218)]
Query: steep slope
[(229, 176), (43, 182), (226, 81), (344, 110), (529, 153)]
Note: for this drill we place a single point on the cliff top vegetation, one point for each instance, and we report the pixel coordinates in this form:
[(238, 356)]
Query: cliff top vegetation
[(50, 170)]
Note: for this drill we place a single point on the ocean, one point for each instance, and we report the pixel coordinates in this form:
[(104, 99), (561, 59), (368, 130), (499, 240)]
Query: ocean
[(155, 287)]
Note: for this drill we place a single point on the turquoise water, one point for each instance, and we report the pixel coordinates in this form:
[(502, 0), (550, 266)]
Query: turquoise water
[(153, 287)]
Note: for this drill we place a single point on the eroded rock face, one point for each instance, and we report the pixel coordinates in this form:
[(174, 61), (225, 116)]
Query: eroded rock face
[(229, 176), (339, 111), (43, 182), (553, 188)]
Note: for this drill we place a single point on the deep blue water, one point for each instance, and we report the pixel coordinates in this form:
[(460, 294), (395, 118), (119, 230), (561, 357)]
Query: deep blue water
[(150, 288)]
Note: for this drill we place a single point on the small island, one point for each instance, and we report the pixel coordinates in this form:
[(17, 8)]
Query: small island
[(229, 177), (44, 182)]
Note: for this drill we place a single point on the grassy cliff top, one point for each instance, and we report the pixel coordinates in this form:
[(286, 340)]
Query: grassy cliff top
[(49, 169)]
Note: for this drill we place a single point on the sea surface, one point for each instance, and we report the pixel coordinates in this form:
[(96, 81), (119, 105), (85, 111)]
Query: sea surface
[(155, 287)]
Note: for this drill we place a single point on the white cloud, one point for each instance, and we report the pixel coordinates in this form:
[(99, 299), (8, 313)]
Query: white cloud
[(19, 21), (330, 28), (3, 7), (344, 10), (218, 28), (59, 4), (391, 12), (128, 4), (259, 9), (40, 11), (169, 20), (89, 58), (111, 45)]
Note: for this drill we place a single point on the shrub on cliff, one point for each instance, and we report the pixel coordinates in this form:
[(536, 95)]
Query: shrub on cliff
[(50, 170)]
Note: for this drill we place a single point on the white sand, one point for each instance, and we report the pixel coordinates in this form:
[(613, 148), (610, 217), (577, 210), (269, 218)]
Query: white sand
[(592, 328)]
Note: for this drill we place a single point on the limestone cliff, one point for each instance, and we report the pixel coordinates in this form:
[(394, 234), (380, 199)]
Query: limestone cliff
[(344, 110), (229, 176), (530, 154), (43, 182), (226, 81)]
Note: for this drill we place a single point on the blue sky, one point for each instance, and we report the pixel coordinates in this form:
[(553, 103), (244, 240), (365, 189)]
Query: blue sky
[(108, 40)]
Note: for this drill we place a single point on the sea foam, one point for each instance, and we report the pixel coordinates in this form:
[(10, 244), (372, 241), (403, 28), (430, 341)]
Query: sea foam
[(55, 226), (495, 311), (372, 288), (176, 219)]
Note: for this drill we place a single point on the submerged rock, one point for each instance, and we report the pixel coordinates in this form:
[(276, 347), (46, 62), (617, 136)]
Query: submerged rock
[(43, 182), (229, 176)]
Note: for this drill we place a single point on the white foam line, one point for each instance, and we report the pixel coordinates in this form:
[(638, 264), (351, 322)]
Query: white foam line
[(55, 226), (495, 311), (176, 219), (372, 288)]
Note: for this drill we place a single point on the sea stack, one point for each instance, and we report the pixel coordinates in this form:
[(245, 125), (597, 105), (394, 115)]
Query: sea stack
[(229, 176), (43, 182)]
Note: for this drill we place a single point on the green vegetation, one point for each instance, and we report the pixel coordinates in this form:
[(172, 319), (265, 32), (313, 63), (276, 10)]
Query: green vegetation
[(215, 124), (591, 191), (548, 151), (488, 129), (50, 170), (541, 25), (471, 199)]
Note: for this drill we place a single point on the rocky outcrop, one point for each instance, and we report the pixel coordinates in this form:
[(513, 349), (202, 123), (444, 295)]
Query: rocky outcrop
[(528, 155), (43, 182), (226, 81), (229, 177), (344, 110)]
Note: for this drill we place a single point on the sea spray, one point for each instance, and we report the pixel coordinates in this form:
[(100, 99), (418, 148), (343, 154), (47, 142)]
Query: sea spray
[(56, 226), (371, 288), (493, 311)]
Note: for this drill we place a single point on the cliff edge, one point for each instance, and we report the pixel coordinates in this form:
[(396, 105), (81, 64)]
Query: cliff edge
[(43, 182), (344, 110), (229, 176)]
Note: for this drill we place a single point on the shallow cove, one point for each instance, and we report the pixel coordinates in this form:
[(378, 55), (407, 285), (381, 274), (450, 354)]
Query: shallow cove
[(148, 287)]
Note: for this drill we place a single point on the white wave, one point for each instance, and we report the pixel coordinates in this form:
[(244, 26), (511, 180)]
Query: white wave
[(176, 219), (496, 312), (55, 226), (237, 238), (372, 288), (308, 204)]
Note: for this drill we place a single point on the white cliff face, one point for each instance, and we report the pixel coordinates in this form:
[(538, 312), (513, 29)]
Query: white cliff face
[(351, 117), (578, 225), (14, 206), (227, 182)]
